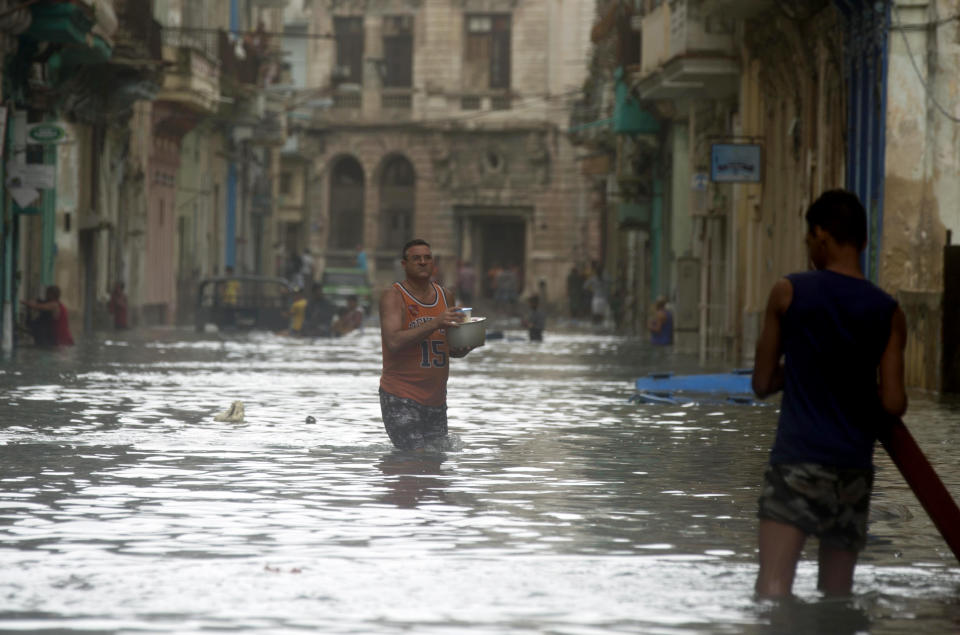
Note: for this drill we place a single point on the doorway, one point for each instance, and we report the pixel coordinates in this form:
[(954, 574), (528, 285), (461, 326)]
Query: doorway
[(502, 247)]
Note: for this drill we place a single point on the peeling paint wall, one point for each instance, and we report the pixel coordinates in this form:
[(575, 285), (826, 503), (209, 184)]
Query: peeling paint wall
[(922, 163)]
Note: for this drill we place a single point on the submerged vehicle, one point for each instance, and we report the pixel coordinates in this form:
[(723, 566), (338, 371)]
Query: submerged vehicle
[(339, 283), (243, 302)]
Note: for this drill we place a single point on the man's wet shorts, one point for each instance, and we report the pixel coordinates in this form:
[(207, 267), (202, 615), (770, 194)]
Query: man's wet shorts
[(829, 502), (410, 424)]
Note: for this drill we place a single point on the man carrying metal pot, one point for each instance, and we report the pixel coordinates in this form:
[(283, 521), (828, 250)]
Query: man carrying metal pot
[(414, 315)]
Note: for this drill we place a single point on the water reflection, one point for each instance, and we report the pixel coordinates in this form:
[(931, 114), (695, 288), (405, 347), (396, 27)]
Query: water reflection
[(411, 477), (563, 507), (797, 617)]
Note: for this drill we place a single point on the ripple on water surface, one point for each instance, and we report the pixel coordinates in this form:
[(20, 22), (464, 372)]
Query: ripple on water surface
[(559, 507)]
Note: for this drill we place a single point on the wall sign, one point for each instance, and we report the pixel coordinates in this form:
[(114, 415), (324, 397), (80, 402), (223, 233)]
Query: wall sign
[(736, 163), (48, 132)]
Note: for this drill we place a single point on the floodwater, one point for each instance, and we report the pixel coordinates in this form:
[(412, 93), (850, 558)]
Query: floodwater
[(562, 508)]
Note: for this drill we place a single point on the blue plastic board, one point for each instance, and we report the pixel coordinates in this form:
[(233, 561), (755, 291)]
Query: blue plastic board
[(735, 383)]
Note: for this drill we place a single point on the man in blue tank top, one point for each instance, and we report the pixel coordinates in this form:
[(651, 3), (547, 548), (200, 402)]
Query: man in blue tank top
[(660, 324), (841, 339)]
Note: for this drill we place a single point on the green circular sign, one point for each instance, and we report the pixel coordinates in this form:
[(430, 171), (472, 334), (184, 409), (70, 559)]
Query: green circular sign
[(46, 132)]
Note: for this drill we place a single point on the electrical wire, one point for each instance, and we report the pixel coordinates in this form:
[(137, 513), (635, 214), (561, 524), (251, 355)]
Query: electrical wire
[(272, 34), (913, 62)]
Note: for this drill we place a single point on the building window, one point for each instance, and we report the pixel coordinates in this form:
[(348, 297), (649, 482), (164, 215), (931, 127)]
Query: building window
[(348, 33), (346, 204), (398, 51), (286, 183), (397, 196), (486, 56)]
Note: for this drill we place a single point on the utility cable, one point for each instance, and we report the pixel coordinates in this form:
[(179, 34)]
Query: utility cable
[(913, 62)]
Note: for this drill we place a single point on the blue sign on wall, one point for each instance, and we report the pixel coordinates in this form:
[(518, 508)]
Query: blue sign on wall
[(736, 163)]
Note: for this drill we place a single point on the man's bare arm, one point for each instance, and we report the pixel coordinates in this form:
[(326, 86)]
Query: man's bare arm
[(394, 336), (767, 369), (451, 297), (893, 394), (53, 307)]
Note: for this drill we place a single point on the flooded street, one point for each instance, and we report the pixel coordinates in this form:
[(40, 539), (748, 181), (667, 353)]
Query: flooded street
[(563, 508)]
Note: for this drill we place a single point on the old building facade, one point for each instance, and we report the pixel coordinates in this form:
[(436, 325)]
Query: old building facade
[(446, 120), (162, 167), (824, 94)]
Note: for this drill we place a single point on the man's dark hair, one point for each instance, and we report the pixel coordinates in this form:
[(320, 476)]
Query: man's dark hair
[(841, 214), (412, 243)]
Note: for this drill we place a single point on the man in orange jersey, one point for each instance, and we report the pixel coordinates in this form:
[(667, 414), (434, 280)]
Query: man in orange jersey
[(414, 314)]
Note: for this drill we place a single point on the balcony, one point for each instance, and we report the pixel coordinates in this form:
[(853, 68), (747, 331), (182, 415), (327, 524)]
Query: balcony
[(396, 99), (739, 9), (85, 29), (347, 100), (138, 40), (193, 77), (239, 64), (687, 52)]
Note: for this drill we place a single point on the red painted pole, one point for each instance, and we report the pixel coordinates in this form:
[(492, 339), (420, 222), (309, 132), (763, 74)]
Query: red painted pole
[(924, 482)]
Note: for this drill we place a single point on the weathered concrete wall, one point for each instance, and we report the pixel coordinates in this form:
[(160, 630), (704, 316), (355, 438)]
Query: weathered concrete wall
[(921, 158), (922, 162)]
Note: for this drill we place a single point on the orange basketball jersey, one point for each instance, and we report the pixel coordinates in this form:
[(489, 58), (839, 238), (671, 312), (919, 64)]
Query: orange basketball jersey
[(419, 372)]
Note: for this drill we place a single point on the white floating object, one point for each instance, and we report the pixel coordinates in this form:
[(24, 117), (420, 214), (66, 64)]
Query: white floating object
[(233, 414)]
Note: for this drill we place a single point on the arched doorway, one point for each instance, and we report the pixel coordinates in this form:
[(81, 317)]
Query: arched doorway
[(346, 204), (397, 203)]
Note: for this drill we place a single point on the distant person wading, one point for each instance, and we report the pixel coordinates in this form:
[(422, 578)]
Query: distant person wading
[(50, 326)]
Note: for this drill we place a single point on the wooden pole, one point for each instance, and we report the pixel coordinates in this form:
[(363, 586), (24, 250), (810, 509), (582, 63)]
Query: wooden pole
[(924, 482)]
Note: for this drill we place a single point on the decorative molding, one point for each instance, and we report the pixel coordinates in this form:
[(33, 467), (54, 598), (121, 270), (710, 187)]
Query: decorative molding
[(491, 161)]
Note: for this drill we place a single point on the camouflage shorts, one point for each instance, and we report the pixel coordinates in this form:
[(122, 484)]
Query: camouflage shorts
[(828, 502), (410, 424)]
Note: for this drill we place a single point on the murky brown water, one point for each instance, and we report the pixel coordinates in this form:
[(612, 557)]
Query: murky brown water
[(564, 509)]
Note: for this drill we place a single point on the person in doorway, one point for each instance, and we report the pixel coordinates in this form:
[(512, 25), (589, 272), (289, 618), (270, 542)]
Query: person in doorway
[(842, 341), (118, 306), (536, 320), (598, 288), (466, 281), (351, 318), (51, 327), (362, 259), (575, 291), (306, 268), (414, 315), (660, 324)]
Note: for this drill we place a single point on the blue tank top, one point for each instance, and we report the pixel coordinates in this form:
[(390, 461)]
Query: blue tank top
[(834, 333), (665, 336)]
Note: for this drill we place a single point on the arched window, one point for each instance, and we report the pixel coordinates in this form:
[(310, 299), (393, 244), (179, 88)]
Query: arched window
[(346, 204), (397, 181)]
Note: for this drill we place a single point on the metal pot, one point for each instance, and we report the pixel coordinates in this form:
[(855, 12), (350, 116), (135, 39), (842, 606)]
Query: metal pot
[(469, 333)]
